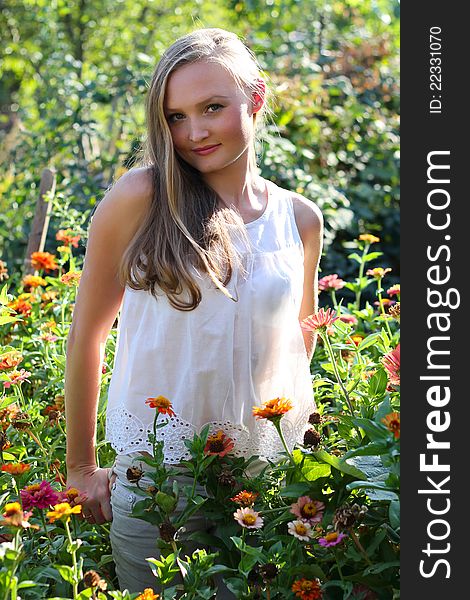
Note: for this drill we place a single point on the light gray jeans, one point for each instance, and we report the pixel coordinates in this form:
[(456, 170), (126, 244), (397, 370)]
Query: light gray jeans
[(133, 540)]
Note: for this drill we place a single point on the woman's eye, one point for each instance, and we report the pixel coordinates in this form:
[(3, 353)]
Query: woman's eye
[(175, 117), (214, 107)]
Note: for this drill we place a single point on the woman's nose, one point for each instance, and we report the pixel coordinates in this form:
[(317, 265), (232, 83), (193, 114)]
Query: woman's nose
[(197, 133)]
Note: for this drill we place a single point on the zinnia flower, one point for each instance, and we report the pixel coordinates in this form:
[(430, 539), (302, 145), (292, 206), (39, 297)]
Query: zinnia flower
[(302, 530), (21, 306), (14, 516), (66, 236), (369, 238), (272, 408), (44, 260), (392, 423), (331, 539), (378, 272), (248, 518), (245, 498), (218, 443), (15, 377), (307, 509), (147, 594), (320, 321), (394, 290), (162, 404), (330, 282), (33, 281), (10, 359), (349, 319), (307, 589), (63, 511), (391, 362), (15, 468), (38, 495), (71, 278), (70, 495)]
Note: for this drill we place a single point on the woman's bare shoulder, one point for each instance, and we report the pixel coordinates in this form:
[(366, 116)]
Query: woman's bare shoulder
[(131, 192)]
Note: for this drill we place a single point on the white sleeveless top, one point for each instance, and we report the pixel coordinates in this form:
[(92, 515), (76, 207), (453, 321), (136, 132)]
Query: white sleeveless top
[(217, 362)]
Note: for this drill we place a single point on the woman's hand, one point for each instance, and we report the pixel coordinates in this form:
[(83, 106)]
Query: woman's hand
[(94, 486)]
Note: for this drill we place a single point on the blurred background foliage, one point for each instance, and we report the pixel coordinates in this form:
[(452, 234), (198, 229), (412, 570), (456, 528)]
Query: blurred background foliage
[(74, 75)]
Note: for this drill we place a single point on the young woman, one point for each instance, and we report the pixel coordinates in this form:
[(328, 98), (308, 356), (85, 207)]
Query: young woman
[(211, 268)]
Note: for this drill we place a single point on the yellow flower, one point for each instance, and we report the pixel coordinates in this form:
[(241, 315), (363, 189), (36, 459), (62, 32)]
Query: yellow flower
[(33, 281), (147, 594), (369, 238), (63, 511), (378, 272)]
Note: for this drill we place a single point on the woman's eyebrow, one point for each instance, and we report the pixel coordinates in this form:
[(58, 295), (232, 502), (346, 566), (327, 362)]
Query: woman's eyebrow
[(207, 100)]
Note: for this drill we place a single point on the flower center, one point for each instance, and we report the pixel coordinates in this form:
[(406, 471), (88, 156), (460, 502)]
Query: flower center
[(309, 510), (300, 529), (249, 519), (32, 489), (331, 537)]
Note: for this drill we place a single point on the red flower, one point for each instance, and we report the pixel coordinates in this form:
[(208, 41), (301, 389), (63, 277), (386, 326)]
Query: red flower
[(66, 236), (44, 260), (307, 589), (218, 443), (39, 495), (162, 404), (392, 423)]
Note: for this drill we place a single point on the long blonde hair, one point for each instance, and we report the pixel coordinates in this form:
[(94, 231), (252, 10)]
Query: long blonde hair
[(184, 229)]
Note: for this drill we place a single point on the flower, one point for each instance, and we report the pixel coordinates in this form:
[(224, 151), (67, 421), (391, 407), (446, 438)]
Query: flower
[(33, 281), (38, 495), (162, 404), (63, 511), (311, 438), (391, 362), (320, 321), (349, 319), (394, 290), (378, 272), (71, 278), (48, 337), (70, 495), (307, 509), (134, 474), (91, 579), (245, 498), (357, 338), (49, 296), (167, 532), (331, 539), (66, 236), (302, 530), (44, 260), (21, 306), (307, 589), (392, 423), (10, 359), (385, 302), (15, 377), (330, 282), (272, 408), (248, 518), (315, 418), (369, 238), (218, 443), (147, 594), (15, 468), (346, 516), (14, 516), (394, 311)]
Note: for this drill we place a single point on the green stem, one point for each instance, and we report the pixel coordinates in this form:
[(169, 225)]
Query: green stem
[(338, 565), (360, 547), (382, 309), (43, 519), (335, 369), (277, 424), (361, 273), (333, 298), (74, 561)]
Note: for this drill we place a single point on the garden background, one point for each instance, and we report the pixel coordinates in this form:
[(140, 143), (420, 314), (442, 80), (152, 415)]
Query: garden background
[(73, 81)]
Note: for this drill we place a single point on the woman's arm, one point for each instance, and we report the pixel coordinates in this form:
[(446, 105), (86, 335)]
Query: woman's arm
[(310, 225), (99, 298)]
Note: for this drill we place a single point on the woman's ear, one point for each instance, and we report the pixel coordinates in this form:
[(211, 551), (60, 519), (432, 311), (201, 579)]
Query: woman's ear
[(258, 95)]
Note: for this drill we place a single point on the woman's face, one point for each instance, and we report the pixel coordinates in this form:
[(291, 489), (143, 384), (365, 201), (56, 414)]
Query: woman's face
[(210, 119)]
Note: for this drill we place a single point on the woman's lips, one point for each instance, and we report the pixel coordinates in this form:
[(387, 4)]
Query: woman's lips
[(206, 150)]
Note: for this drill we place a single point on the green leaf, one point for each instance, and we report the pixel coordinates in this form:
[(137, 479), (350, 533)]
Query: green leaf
[(374, 569), (394, 514), (378, 383), (375, 431), (66, 573), (372, 256), (341, 465)]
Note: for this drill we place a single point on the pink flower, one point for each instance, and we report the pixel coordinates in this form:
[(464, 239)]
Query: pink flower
[(394, 290), (308, 510), (331, 539), (330, 282), (16, 377), (320, 321), (391, 362), (302, 530), (349, 319), (38, 495), (249, 518)]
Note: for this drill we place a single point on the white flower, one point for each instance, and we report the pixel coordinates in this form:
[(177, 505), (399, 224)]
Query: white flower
[(301, 530)]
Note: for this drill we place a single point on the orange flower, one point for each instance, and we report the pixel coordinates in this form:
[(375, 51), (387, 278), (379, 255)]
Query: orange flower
[(272, 408), (10, 359), (16, 517), (44, 260), (357, 338), (49, 296), (63, 511), (392, 422), (70, 495), (67, 237), (307, 589), (391, 362), (21, 306), (71, 278), (378, 272), (33, 281), (245, 498), (320, 321), (15, 468), (147, 594), (369, 238), (218, 443), (162, 404)]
